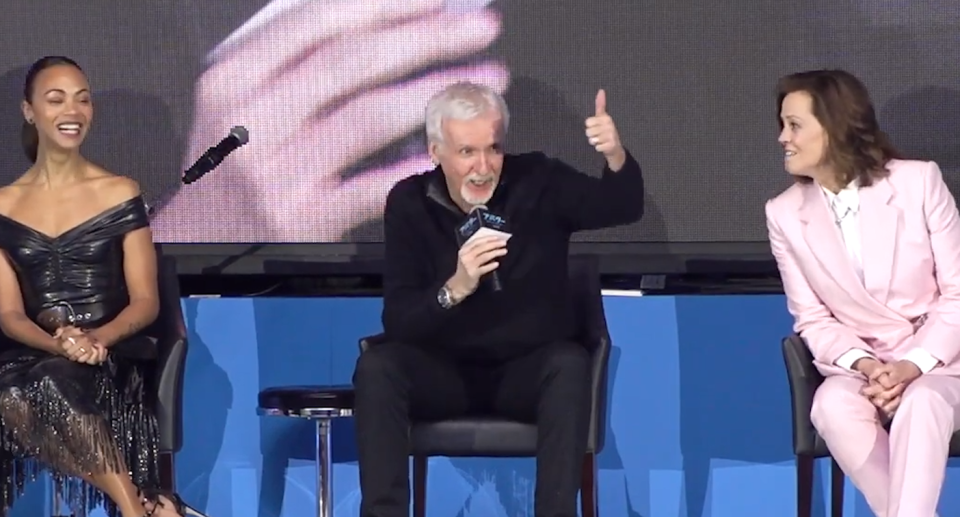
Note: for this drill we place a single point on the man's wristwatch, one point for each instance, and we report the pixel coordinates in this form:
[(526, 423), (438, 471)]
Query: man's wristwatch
[(445, 297)]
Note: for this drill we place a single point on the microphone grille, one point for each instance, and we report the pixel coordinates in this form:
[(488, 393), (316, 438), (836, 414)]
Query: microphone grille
[(241, 133)]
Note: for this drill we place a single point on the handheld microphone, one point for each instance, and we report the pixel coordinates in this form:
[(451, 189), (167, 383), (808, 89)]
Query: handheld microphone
[(211, 159), (238, 136), (480, 222)]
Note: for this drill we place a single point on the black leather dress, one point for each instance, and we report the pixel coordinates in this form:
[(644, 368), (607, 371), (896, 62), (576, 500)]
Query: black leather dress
[(71, 417)]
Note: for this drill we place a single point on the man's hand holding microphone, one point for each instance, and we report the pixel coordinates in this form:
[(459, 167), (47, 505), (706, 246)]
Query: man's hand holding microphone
[(476, 258)]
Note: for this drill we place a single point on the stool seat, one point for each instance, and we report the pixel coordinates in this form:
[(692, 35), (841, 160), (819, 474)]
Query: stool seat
[(307, 401)]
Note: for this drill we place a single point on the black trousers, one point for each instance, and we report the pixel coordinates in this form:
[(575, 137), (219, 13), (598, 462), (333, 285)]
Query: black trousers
[(396, 383)]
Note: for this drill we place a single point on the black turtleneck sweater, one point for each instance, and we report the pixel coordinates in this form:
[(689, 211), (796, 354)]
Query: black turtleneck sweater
[(544, 201)]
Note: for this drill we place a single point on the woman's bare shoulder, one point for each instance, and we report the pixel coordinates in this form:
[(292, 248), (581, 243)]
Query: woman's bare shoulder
[(10, 195), (111, 187)]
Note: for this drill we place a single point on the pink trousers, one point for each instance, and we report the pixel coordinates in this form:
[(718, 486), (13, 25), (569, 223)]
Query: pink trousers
[(901, 472)]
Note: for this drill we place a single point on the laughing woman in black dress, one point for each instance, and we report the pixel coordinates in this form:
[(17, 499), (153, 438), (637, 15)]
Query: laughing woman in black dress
[(78, 284)]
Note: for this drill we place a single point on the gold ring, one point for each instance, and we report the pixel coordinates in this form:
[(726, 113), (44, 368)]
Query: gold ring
[(82, 350)]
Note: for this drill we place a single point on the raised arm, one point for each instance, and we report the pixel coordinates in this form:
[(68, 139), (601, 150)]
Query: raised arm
[(585, 203)]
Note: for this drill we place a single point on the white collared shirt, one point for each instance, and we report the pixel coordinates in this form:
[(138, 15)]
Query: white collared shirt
[(845, 208)]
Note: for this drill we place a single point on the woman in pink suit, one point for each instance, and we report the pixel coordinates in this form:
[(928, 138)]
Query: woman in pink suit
[(868, 247)]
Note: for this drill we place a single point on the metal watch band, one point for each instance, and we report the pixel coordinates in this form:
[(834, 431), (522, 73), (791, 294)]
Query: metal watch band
[(445, 297)]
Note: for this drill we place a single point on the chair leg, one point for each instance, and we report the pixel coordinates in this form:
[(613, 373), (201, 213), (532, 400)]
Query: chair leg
[(804, 485), (419, 486), (588, 486), (836, 489)]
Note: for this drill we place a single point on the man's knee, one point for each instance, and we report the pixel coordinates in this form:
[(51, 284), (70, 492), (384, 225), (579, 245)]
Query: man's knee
[(568, 361), (380, 366)]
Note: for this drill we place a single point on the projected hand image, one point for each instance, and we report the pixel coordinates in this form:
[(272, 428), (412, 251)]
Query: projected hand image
[(322, 87)]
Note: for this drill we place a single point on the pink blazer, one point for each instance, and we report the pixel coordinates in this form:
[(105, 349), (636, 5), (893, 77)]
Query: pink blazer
[(910, 296)]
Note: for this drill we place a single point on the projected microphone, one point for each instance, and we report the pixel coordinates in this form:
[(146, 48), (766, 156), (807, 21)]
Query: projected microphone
[(238, 136), (480, 222)]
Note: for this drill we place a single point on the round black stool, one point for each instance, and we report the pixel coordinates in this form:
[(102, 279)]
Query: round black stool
[(321, 404)]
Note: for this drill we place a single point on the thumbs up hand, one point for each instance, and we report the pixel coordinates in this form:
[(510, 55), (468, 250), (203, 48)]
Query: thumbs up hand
[(602, 134)]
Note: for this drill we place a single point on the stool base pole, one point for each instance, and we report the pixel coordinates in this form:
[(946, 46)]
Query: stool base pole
[(324, 470)]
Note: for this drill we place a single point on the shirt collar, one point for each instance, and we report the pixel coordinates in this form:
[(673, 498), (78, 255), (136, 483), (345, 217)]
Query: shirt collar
[(437, 191), (848, 197)]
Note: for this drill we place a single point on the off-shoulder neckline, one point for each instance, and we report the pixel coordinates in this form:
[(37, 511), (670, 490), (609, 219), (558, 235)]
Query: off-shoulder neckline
[(83, 224)]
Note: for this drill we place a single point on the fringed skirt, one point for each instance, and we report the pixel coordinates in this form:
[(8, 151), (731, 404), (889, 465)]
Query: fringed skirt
[(75, 420)]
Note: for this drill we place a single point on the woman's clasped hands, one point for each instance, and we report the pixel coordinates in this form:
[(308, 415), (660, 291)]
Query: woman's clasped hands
[(80, 346), (886, 383)]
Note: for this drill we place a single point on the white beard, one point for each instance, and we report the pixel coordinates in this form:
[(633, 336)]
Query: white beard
[(469, 195)]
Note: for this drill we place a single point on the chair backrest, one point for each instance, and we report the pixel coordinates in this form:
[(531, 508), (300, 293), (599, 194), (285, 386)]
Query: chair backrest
[(799, 360), (804, 379), (171, 333)]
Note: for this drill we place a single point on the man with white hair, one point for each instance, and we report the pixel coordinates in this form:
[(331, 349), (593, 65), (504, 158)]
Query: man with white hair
[(455, 347)]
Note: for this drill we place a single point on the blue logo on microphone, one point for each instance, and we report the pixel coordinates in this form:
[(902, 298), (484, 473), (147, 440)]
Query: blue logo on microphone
[(493, 220)]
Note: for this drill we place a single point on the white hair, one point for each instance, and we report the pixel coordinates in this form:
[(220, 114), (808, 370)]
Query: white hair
[(462, 101)]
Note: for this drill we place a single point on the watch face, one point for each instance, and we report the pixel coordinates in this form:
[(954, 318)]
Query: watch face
[(443, 298)]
